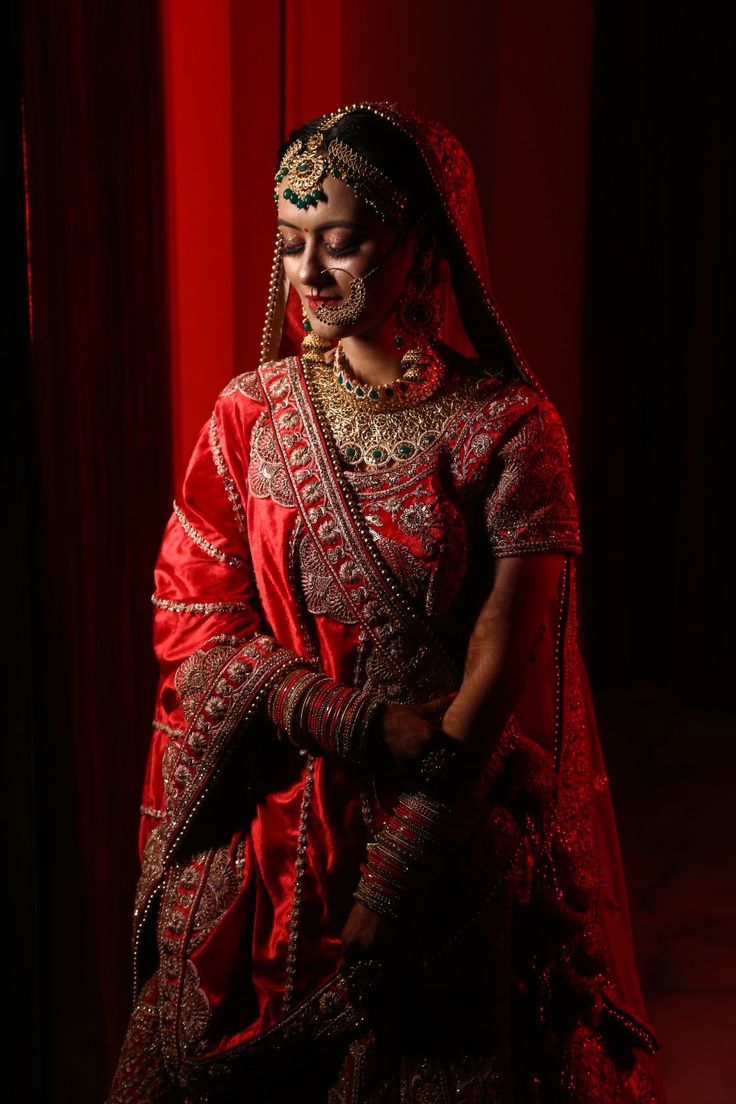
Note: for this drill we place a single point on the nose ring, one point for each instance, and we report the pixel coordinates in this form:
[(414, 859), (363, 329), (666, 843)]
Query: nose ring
[(350, 309)]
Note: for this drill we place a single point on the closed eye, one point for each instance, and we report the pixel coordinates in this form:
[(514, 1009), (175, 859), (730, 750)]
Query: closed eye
[(294, 248), (341, 251)]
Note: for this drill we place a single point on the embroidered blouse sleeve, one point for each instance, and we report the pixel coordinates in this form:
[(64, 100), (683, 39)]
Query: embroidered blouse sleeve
[(530, 505)]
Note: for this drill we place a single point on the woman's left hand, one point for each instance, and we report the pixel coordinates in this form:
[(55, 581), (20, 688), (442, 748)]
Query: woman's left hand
[(367, 935)]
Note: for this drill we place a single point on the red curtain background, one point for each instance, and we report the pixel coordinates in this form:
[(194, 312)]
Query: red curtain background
[(96, 428), (151, 136), (658, 322)]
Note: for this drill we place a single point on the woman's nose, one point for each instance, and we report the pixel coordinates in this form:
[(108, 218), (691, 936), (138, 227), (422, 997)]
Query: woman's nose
[(310, 269)]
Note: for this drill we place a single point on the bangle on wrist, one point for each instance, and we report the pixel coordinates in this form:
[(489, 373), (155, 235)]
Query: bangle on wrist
[(316, 711), (405, 855)]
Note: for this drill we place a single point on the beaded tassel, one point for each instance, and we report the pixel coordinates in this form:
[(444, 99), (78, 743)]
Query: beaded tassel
[(274, 286)]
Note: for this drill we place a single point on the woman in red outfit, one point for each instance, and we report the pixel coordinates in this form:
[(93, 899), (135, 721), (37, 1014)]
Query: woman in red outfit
[(379, 861)]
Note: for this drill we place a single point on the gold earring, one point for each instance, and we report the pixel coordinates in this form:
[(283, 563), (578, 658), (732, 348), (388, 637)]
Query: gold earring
[(314, 347), (418, 318)]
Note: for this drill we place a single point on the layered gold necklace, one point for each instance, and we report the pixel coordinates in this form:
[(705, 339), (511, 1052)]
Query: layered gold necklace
[(375, 427)]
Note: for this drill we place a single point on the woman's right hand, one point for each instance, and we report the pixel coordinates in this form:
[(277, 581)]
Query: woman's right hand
[(408, 729)]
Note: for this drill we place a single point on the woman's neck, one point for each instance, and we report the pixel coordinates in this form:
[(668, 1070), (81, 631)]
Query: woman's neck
[(373, 357)]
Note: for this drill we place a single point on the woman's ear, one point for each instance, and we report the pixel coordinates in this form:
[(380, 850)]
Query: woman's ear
[(426, 259)]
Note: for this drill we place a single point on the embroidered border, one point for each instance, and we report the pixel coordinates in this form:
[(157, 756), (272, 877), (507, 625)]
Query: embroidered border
[(197, 895), (228, 481), (200, 608), (201, 541), (334, 1012), (338, 531), (175, 733), (229, 701), (309, 638), (267, 477)]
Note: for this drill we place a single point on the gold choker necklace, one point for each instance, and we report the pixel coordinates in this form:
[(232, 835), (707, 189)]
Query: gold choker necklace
[(375, 432), (418, 382)]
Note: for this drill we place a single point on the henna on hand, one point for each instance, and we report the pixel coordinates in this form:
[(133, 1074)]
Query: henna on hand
[(408, 730)]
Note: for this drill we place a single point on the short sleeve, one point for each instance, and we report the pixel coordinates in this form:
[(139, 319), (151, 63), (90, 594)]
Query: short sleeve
[(530, 503)]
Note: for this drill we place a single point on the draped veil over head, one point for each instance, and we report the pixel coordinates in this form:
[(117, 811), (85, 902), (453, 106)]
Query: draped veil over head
[(473, 324)]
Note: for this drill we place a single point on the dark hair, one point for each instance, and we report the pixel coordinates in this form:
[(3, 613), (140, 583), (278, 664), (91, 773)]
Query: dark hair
[(390, 151)]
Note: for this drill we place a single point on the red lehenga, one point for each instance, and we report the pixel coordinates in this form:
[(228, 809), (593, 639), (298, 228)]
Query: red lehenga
[(519, 984)]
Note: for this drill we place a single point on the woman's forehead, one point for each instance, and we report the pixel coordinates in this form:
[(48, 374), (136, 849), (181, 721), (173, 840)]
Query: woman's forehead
[(340, 205)]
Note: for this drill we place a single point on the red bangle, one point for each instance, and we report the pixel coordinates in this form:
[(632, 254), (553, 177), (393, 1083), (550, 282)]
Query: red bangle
[(405, 855)]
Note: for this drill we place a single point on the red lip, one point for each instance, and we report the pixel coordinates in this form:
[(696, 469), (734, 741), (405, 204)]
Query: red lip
[(318, 300)]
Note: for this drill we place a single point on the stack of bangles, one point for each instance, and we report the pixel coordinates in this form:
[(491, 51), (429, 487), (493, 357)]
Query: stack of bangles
[(315, 710), (405, 855), (410, 848), (318, 713)]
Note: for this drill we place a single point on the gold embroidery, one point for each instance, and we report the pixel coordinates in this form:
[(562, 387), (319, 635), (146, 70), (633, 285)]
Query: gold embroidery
[(229, 483), (266, 475), (140, 1075), (147, 810), (175, 733), (310, 643), (401, 672), (365, 579), (486, 421), (321, 1020), (413, 575), (184, 1008), (195, 674), (192, 769), (195, 1010), (220, 887), (434, 534), (198, 607), (151, 868), (532, 507), (197, 895), (318, 587), (247, 384), (202, 542), (413, 1078)]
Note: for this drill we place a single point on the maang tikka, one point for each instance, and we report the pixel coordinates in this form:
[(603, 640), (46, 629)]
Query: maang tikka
[(308, 161)]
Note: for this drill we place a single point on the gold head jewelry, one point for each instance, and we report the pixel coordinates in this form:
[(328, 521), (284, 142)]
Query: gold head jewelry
[(308, 161)]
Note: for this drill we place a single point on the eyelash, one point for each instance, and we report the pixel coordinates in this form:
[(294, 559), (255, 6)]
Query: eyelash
[(291, 250)]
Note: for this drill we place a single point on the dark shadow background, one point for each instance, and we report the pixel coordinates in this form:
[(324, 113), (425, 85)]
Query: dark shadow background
[(90, 464)]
